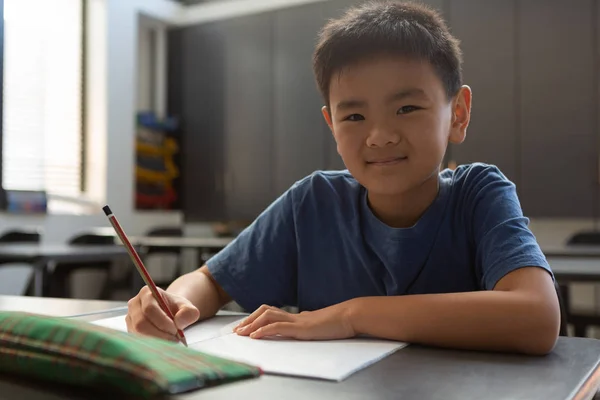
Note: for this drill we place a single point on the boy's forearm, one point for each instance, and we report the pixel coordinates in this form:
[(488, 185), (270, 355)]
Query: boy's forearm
[(486, 320), (199, 288)]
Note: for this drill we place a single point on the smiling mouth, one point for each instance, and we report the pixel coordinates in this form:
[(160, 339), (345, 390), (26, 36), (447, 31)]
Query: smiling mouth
[(387, 161)]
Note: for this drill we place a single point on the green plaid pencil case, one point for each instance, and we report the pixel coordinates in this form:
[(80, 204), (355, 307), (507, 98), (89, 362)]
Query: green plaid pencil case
[(87, 355)]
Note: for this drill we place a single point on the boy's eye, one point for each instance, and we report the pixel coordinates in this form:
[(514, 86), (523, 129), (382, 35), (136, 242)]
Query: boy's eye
[(407, 109), (354, 117)]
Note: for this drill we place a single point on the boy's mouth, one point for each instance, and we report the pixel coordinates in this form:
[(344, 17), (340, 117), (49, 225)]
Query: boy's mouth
[(387, 161)]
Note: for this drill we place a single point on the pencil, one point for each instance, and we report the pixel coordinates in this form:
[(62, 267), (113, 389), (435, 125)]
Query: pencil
[(137, 261)]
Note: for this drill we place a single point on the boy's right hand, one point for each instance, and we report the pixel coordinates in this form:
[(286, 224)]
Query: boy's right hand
[(144, 315)]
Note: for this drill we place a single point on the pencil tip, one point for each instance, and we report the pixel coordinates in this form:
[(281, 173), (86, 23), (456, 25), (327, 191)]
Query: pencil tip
[(106, 210), (184, 341)]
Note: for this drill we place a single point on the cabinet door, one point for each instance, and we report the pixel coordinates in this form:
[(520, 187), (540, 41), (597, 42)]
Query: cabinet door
[(200, 51), (248, 94), (558, 106), (486, 29), (299, 128)]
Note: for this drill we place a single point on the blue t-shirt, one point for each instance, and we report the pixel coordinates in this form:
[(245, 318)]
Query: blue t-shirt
[(320, 244)]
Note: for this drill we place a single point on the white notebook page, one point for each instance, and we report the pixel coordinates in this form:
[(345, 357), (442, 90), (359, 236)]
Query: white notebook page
[(330, 359)]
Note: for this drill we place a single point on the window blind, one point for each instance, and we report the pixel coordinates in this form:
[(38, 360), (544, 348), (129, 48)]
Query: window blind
[(42, 96)]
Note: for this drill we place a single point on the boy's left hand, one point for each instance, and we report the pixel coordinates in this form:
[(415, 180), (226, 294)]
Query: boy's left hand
[(327, 323)]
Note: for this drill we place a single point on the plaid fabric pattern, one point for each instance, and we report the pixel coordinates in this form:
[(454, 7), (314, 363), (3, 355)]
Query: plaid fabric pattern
[(83, 354)]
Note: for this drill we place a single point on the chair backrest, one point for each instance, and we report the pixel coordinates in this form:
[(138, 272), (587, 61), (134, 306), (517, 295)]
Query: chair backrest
[(93, 239), (164, 232), (21, 236), (563, 311), (59, 280), (15, 278), (589, 238)]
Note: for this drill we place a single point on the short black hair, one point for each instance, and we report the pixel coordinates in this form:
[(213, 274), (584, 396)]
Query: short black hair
[(406, 29)]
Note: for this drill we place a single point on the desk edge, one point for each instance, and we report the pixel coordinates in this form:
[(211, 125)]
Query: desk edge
[(590, 386)]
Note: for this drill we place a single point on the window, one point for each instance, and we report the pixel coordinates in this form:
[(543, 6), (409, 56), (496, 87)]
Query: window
[(42, 106)]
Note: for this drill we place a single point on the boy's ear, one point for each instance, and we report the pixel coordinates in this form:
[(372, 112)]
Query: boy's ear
[(461, 115), (327, 116)]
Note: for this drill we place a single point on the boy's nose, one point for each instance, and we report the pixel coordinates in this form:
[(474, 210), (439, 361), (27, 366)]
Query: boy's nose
[(381, 137)]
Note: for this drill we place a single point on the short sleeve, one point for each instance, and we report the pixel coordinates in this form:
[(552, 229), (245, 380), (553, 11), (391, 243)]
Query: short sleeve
[(502, 237), (260, 265)]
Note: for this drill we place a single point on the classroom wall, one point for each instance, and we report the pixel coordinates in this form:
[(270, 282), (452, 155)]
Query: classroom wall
[(122, 22)]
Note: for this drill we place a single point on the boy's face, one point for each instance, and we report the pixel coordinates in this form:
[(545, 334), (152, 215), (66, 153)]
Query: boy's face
[(392, 121)]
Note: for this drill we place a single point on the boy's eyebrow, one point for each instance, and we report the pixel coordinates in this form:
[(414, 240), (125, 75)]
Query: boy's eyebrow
[(402, 94), (348, 104)]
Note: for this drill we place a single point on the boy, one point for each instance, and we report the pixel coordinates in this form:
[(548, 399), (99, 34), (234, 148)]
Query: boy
[(392, 247)]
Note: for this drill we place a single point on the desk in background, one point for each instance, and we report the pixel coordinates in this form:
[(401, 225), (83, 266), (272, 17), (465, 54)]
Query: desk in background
[(200, 244), (61, 307), (44, 256), (572, 251), (571, 372), (183, 242), (574, 263)]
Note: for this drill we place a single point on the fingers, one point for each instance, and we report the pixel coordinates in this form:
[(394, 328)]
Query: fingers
[(186, 316), (269, 316), (287, 329), (145, 317), (259, 311), (184, 312), (153, 313)]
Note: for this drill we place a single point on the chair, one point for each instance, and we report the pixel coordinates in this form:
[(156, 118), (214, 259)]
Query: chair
[(59, 279), (21, 236), (164, 232), (161, 250), (585, 238), (579, 319), (15, 279), (563, 310)]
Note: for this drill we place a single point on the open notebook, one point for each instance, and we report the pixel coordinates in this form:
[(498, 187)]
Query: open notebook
[(332, 360)]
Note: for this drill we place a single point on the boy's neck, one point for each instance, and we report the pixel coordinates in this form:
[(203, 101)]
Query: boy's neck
[(404, 210)]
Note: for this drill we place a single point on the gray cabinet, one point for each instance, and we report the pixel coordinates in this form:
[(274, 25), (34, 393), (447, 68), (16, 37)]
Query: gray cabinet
[(196, 95), (248, 130), (558, 107), (486, 29), (226, 112), (299, 129)]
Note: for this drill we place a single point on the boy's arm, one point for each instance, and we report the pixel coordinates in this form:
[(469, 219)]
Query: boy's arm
[(200, 288), (261, 258), (520, 315)]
